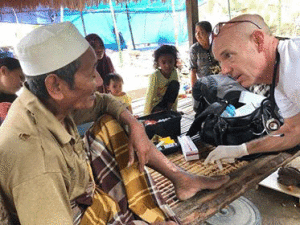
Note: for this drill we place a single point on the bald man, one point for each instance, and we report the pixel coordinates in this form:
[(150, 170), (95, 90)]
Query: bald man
[(249, 53)]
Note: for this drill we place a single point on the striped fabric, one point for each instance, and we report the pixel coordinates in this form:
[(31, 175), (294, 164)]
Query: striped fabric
[(261, 89), (123, 194)]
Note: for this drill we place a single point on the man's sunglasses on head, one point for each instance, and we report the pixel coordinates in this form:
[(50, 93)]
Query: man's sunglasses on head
[(217, 28)]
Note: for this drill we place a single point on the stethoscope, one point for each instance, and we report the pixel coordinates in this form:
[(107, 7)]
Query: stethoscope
[(271, 124)]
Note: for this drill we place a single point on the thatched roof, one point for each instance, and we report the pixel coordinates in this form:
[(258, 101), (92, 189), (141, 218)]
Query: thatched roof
[(56, 4)]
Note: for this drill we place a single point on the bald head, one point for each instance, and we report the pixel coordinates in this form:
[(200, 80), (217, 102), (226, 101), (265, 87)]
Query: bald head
[(243, 26), (255, 18)]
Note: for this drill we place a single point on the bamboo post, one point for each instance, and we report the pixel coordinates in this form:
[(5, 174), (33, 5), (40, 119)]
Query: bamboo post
[(192, 19), (116, 31), (61, 14), (83, 25), (279, 18), (229, 12), (175, 24), (17, 34), (15, 15), (128, 18)]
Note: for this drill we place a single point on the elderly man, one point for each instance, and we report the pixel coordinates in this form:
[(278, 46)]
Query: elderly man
[(48, 174), (248, 52)]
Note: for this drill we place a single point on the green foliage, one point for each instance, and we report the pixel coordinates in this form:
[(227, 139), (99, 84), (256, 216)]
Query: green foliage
[(280, 15)]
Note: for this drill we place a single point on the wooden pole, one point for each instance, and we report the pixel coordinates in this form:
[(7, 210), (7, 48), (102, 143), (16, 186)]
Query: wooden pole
[(116, 32), (192, 19), (279, 18), (15, 15), (128, 18), (229, 12), (175, 24), (83, 24), (61, 14)]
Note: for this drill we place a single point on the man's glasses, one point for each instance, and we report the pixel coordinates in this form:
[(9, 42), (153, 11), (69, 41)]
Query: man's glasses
[(218, 27)]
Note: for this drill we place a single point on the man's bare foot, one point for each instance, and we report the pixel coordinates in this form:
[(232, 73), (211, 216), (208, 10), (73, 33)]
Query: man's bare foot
[(191, 184)]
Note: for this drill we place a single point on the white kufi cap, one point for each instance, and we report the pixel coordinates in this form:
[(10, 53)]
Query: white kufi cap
[(49, 48)]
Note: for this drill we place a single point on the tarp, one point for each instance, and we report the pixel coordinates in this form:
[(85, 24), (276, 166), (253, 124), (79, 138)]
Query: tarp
[(39, 16), (151, 21)]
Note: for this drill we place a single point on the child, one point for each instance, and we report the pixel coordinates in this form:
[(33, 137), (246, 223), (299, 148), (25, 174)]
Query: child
[(114, 84), (163, 83)]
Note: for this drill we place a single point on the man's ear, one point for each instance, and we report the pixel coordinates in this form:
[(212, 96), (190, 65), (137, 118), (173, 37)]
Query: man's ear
[(259, 39), (54, 86), (3, 70)]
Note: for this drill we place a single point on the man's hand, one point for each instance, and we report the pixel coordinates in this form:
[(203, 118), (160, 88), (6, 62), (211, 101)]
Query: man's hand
[(139, 143), (226, 152)]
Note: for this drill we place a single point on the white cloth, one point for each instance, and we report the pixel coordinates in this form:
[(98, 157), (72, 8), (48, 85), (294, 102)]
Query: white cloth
[(287, 91)]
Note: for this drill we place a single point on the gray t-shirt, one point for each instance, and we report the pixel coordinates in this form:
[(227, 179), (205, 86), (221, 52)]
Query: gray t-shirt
[(203, 61)]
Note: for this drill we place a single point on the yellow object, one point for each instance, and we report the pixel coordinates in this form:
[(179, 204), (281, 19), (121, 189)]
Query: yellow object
[(167, 140)]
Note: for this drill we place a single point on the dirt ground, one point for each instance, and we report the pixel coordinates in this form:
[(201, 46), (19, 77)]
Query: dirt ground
[(275, 208)]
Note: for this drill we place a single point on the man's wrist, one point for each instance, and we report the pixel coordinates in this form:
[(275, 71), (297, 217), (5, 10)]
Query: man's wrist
[(136, 126)]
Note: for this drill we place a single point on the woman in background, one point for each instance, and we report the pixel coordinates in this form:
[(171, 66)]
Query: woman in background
[(11, 81), (105, 65), (202, 62)]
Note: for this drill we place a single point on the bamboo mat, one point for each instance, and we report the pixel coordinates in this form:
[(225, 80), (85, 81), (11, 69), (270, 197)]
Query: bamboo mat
[(196, 167)]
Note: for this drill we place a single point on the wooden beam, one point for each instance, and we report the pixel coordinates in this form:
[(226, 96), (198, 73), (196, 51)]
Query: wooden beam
[(192, 19), (203, 205)]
